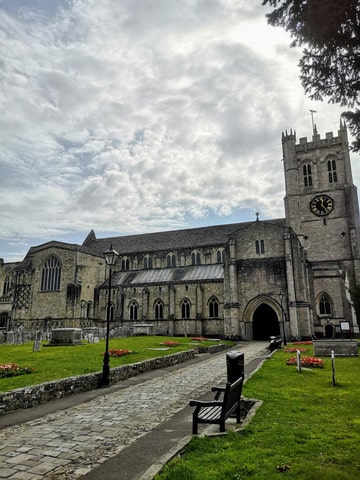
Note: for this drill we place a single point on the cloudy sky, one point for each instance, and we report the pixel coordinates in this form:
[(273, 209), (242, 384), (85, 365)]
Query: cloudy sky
[(134, 116)]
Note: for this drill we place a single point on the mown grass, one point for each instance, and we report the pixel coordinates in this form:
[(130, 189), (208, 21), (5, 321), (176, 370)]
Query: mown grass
[(53, 363), (306, 429)]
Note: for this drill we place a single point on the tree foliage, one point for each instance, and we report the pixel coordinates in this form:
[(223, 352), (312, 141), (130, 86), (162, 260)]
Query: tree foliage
[(329, 33)]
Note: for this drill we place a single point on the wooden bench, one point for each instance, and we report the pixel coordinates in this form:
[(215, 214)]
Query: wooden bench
[(215, 411)]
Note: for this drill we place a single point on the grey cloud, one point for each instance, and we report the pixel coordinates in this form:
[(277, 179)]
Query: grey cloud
[(140, 115)]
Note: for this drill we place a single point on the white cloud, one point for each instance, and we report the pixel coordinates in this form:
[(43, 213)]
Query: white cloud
[(142, 114)]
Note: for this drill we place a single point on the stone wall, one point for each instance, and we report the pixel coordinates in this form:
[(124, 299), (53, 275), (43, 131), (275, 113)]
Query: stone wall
[(37, 394), (343, 348)]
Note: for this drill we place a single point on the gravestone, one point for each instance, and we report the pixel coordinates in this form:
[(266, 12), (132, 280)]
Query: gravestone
[(36, 346), (10, 338), (89, 333), (20, 335)]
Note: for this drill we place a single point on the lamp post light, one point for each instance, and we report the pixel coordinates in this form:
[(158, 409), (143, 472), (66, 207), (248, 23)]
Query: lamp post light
[(110, 259), (281, 296)]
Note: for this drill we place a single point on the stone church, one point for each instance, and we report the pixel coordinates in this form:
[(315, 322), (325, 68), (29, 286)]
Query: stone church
[(288, 276)]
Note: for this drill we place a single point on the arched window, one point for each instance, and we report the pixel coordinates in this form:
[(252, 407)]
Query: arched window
[(195, 258), (260, 246), (185, 308), (111, 311), (7, 284), (171, 260), (147, 262), (125, 264), (331, 166), (51, 274), (324, 305), (213, 307), (82, 309), (220, 256), (133, 310), (159, 310), (307, 175), (89, 310)]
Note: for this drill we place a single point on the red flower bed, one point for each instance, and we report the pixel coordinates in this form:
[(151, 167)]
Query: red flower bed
[(170, 343), (312, 362), (13, 370), (294, 350), (308, 342), (199, 339), (118, 353)]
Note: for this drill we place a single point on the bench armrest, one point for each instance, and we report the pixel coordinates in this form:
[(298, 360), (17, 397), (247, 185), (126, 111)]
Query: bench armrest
[(210, 403), (218, 389)]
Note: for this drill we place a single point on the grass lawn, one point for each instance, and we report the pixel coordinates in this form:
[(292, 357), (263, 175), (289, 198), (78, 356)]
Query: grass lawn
[(52, 363), (306, 428)]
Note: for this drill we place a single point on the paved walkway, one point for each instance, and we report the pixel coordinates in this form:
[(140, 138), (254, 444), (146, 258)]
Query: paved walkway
[(76, 442)]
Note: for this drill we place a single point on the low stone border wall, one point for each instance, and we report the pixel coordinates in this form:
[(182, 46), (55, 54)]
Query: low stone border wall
[(344, 348), (34, 395)]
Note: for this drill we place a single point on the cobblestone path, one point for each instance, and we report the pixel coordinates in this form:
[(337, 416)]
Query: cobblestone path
[(69, 443)]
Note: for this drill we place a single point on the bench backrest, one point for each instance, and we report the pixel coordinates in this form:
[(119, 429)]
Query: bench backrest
[(232, 395)]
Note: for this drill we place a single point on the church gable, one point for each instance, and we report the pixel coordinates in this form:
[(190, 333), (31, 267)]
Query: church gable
[(260, 240)]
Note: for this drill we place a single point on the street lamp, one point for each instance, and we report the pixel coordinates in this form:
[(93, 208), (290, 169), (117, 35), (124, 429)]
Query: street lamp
[(110, 259), (281, 296)]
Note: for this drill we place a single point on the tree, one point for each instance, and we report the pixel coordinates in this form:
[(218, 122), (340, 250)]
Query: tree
[(329, 32)]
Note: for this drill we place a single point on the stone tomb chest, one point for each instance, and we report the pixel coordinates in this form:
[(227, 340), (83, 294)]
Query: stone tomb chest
[(65, 336), (346, 348)]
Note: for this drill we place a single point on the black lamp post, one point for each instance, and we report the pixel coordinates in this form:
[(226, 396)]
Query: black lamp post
[(281, 296), (110, 259)]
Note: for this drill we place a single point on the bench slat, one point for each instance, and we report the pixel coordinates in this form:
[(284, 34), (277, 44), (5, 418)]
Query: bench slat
[(217, 412), (210, 413)]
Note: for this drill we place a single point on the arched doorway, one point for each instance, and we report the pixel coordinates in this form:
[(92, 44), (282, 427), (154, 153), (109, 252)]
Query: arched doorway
[(265, 323), (329, 331)]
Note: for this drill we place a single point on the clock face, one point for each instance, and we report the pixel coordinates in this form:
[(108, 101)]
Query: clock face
[(321, 205)]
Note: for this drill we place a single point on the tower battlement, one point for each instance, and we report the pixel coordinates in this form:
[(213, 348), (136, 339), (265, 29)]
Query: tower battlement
[(316, 141), (288, 136)]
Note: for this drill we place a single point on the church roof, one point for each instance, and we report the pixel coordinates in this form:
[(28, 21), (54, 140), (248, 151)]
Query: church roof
[(173, 275), (168, 240)]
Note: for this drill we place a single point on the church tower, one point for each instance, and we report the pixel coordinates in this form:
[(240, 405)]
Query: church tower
[(321, 206)]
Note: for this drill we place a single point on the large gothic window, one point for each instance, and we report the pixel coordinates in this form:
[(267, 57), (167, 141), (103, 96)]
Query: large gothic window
[(307, 175), (159, 310), (51, 274), (213, 307), (133, 310), (324, 305), (331, 166), (185, 308), (7, 284)]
